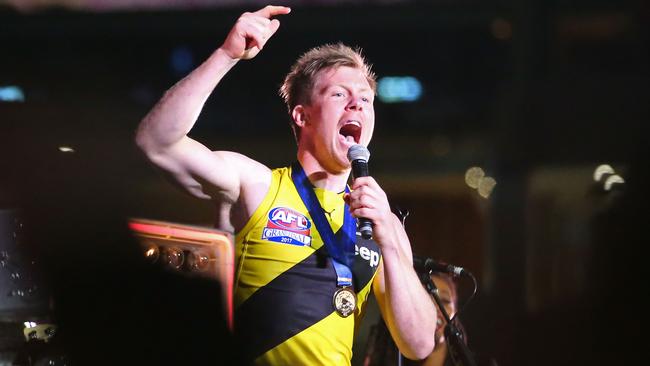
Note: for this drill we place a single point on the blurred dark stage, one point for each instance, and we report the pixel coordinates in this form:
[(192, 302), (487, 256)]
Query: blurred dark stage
[(538, 94)]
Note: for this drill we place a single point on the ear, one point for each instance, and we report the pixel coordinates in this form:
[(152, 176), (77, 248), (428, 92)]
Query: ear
[(299, 115)]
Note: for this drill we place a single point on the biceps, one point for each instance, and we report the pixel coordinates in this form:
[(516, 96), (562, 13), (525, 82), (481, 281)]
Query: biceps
[(202, 173)]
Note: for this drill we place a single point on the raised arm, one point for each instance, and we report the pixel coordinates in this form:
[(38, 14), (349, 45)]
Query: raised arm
[(405, 306), (162, 135)]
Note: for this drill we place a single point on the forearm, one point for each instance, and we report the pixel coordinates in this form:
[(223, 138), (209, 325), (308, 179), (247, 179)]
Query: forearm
[(175, 114), (408, 308), (405, 305)]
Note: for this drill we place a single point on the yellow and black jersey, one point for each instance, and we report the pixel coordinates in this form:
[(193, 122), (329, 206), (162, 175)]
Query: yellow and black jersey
[(285, 281)]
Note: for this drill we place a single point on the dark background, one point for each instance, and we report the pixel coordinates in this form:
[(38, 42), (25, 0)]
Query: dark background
[(537, 93)]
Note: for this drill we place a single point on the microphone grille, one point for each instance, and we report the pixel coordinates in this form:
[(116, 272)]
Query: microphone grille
[(358, 152)]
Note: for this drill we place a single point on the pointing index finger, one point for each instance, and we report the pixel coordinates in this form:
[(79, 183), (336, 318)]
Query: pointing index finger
[(271, 11)]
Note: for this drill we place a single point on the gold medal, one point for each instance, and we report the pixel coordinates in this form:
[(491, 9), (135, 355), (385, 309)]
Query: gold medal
[(345, 301)]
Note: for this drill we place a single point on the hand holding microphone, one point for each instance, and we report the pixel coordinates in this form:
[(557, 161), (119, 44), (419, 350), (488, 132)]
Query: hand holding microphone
[(358, 155)]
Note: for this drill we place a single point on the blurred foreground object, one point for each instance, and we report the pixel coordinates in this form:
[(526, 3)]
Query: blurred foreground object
[(193, 250)]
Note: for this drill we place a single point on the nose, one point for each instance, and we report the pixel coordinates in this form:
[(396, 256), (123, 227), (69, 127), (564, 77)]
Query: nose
[(354, 104)]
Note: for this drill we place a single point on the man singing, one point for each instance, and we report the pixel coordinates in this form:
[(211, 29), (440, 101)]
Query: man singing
[(303, 274)]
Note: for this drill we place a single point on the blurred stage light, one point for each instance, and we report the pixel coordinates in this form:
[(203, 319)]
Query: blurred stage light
[(152, 253), (602, 170), (399, 89), (611, 180), (66, 149), (473, 176), (11, 93), (606, 175), (486, 186)]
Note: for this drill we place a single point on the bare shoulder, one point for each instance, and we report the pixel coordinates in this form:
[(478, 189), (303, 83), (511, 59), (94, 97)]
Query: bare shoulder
[(237, 174), (252, 175), (254, 180)]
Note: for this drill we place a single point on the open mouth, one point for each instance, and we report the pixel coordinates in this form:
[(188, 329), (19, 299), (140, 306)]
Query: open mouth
[(351, 131)]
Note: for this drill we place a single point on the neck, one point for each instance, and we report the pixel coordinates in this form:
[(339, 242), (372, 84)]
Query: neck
[(320, 176)]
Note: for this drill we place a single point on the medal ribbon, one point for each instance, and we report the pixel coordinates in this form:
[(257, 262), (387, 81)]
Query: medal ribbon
[(340, 246)]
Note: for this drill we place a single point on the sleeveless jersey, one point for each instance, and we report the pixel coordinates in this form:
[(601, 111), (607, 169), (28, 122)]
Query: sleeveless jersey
[(285, 281)]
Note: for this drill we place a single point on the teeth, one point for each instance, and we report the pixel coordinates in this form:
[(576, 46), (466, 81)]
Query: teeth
[(349, 139)]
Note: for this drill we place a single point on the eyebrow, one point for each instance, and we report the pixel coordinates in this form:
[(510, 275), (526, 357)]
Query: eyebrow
[(362, 90)]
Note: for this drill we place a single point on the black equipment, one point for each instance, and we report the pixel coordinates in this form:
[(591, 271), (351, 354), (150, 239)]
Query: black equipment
[(429, 265), (26, 335), (458, 349), (22, 298)]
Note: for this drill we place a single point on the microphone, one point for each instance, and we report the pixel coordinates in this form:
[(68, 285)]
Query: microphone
[(429, 265), (358, 155)]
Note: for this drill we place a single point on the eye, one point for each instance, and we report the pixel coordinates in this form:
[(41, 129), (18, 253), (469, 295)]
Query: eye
[(365, 99)]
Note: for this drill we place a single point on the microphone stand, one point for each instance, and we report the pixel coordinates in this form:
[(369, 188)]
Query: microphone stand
[(460, 353)]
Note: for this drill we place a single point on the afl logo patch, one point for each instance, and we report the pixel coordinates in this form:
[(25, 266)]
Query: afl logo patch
[(287, 226)]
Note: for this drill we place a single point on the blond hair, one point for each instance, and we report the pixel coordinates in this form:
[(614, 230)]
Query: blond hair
[(297, 86)]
